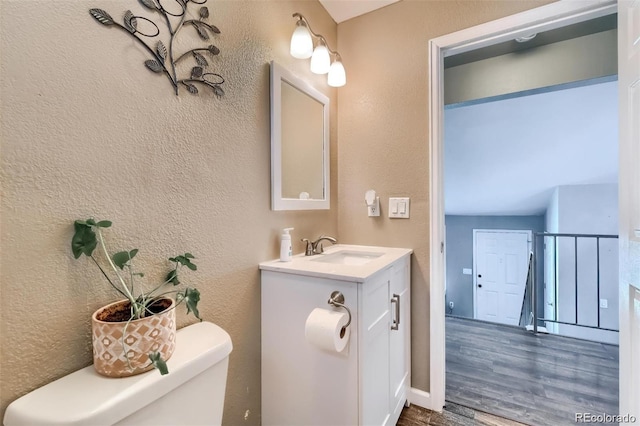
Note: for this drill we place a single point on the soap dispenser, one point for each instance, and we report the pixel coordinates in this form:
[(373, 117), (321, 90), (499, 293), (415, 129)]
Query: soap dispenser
[(285, 245)]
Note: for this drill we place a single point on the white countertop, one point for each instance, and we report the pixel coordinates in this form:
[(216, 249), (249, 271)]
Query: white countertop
[(310, 266)]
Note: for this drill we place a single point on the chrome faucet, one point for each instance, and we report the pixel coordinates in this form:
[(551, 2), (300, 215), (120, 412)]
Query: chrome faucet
[(315, 247)]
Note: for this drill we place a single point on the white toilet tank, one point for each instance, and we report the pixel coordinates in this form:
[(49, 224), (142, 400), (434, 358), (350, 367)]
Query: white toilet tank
[(191, 394)]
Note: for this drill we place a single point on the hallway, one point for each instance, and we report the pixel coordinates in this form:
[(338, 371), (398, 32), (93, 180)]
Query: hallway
[(537, 380)]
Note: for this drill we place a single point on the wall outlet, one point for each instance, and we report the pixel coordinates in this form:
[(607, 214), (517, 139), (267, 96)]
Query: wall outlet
[(604, 303), (373, 210), (450, 305)]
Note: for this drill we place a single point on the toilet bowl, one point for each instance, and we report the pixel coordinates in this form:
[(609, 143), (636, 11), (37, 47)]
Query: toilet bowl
[(191, 394)]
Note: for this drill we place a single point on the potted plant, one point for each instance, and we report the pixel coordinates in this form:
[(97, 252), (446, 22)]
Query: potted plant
[(137, 333)]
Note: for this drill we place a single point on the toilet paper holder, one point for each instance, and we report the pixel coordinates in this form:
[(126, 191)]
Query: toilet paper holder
[(337, 299)]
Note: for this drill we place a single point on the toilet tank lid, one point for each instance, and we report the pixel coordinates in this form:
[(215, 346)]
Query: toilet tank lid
[(84, 397)]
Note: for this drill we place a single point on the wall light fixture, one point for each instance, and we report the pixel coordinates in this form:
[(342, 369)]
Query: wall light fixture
[(302, 48)]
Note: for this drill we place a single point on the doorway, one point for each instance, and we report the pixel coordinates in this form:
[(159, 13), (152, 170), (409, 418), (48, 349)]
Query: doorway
[(547, 17), (500, 265)]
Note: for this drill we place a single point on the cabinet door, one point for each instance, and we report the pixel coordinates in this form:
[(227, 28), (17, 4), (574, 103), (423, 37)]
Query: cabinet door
[(400, 338), (374, 350), (301, 383)]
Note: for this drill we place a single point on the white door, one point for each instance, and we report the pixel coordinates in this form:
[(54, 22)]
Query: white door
[(500, 274), (629, 193)]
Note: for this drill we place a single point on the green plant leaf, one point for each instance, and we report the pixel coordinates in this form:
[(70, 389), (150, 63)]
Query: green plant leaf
[(84, 239), (104, 224), (172, 277), (121, 259), (158, 362), (133, 253), (91, 222), (184, 260), (192, 297)]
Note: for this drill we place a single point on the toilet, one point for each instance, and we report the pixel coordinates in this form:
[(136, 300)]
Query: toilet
[(191, 394)]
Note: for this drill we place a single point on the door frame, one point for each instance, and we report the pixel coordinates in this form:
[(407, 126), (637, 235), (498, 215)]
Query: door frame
[(496, 231), (544, 18)]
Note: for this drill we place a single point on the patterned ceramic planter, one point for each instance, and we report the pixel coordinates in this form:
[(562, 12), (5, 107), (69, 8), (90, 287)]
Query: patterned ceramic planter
[(150, 334)]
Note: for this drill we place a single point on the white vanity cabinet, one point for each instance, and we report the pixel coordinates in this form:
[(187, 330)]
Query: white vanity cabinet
[(365, 384)]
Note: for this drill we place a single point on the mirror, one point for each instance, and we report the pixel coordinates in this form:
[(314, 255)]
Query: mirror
[(299, 143)]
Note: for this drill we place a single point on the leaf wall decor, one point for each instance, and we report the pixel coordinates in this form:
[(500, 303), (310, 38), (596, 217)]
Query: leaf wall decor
[(163, 59), (162, 50), (153, 65), (102, 16), (130, 21), (200, 60)]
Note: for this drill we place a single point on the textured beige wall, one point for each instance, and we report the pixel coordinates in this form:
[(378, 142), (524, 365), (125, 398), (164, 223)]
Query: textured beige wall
[(88, 130), (383, 132)]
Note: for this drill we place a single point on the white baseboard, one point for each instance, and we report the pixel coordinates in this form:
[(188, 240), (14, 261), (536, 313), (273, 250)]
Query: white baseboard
[(422, 399)]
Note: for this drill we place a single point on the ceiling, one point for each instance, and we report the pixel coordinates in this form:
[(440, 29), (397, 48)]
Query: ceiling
[(591, 26), (506, 157), (341, 10)]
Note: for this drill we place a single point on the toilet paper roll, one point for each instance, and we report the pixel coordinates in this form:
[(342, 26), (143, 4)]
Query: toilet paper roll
[(324, 329)]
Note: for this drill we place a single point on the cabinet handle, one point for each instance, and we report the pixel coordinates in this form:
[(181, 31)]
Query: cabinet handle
[(396, 321)]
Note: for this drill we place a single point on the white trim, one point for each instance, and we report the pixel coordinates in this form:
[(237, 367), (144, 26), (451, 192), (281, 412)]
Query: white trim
[(420, 398), (280, 74), (554, 15), (436, 229)]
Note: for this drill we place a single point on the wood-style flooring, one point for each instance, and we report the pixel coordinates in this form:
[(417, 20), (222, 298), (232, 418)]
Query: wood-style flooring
[(452, 415), (533, 379)]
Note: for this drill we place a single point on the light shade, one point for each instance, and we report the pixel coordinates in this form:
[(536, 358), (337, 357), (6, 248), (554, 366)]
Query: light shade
[(301, 42), (337, 76), (320, 60)]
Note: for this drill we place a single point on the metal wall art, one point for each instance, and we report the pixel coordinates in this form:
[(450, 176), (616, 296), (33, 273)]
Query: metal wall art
[(164, 59)]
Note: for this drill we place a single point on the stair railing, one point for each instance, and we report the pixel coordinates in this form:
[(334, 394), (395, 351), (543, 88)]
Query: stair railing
[(534, 287)]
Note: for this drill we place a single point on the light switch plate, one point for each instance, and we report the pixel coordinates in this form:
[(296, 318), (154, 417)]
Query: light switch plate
[(604, 303), (399, 207)]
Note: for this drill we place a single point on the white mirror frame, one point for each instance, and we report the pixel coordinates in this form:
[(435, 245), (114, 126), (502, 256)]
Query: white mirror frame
[(278, 76)]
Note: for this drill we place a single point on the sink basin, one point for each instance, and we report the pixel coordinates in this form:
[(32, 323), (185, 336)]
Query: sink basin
[(347, 257)]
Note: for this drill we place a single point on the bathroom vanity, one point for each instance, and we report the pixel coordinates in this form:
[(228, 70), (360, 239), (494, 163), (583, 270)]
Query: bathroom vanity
[(367, 382)]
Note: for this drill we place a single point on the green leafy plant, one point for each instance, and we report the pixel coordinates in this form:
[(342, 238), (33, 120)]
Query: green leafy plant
[(88, 236)]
